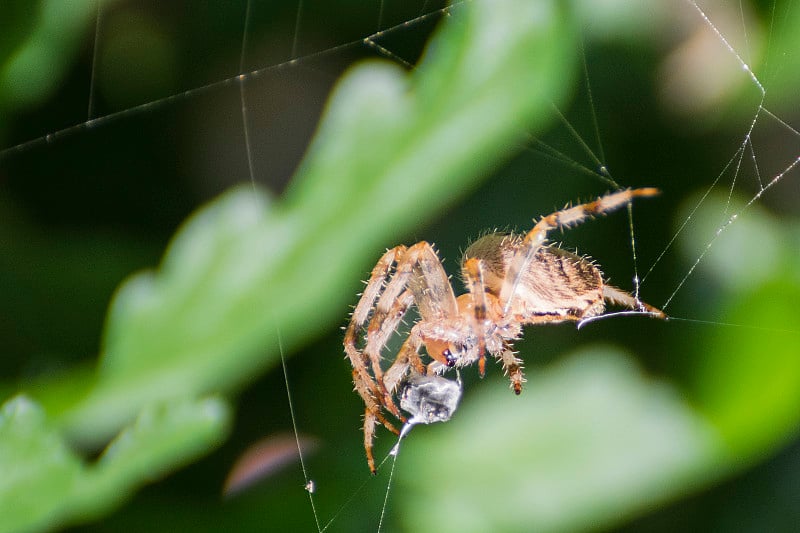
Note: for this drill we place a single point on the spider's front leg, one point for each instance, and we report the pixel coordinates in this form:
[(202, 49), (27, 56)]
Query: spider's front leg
[(364, 382), (476, 299), (415, 276), (369, 435)]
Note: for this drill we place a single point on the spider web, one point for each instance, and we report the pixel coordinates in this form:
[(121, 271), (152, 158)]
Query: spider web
[(248, 112)]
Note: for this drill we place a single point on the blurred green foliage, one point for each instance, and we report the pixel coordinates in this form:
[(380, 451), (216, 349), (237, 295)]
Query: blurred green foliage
[(40, 41), (595, 440), (591, 440), (45, 483)]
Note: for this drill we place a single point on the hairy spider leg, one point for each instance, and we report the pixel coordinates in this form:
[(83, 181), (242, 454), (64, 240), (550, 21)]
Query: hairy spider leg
[(512, 366), (369, 436), (473, 273), (408, 356), (617, 296), (418, 278), (361, 313), (434, 298), (367, 387)]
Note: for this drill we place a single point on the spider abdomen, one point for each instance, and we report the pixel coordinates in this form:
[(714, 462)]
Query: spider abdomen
[(556, 283)]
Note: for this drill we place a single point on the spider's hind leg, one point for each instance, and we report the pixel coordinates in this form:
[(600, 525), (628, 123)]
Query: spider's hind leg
[(617, 296)]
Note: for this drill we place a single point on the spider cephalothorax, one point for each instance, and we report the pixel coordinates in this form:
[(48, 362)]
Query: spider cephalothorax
[(512, 280)]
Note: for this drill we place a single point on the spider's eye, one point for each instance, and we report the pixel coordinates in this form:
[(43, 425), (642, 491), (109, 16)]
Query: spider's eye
[(449, 357)]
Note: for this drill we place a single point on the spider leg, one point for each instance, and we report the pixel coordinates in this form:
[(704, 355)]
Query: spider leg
[(473, 273), (427, 279), (364, 382), (372, 404), (513, 368), (415, 276), (420, 271), (565, 218), (372, 415), (419, 278), (617, 296), (407, 358), (377, 337), (382, 326), (369, 436)]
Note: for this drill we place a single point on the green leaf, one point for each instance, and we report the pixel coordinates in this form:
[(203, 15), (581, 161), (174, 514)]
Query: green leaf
[(38, 470), (44, 483), (747, 379), (589, 442), (780, 67), (36, 61), (163, 438), (745, 372)]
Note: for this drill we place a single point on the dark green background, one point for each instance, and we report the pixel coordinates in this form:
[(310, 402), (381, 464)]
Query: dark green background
[(83, 212)]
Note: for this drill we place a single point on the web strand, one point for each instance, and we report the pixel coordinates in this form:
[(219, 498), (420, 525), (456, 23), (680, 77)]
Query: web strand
[(369, 40), (731, 325), (586, 148), (296, 35), (381, 7), (388, 488), (746, 147), (308, 481), (593, 111), (242, 99), (726, 225), (730, 48), (95, 47)]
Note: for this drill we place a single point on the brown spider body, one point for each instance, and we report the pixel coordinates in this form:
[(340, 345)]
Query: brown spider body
[(512, 280), (556, 284)]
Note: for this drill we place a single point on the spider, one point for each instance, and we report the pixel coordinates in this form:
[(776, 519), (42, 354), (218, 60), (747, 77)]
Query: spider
[(512, 280)]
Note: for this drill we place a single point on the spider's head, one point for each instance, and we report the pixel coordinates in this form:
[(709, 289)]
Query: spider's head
[(446, 352)]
